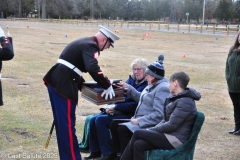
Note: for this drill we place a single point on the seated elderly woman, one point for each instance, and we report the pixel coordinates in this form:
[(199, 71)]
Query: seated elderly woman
[(179, 116), (149, 111), (100, 142)]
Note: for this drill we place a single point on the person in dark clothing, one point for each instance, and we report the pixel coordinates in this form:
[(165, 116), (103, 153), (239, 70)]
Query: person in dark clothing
[(174, 130), (6, 53), (100, 142), (232, 73), (64, 80)]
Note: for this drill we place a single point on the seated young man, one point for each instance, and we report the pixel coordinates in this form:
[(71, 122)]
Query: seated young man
[(179, 116)]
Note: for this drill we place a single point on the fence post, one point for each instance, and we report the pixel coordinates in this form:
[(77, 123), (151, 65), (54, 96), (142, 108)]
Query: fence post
[(189, 28), (213, 29), (121, 24), (227, 30), (158, 25), (201, 29), (127, 24)]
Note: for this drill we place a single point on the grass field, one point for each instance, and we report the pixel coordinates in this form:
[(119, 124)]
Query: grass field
[(26, 117)]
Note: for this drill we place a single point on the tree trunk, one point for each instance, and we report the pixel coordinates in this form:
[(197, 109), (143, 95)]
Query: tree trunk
[(44, 9), (20, 8), (39, 8), (91, 9)]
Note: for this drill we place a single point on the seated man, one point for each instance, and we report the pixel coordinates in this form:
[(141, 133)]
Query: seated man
[(179, 116), (100, 142)]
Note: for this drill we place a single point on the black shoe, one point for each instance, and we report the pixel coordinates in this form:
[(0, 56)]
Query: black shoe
[(237, 133), (93, 155), (109, 157), (234, 130)]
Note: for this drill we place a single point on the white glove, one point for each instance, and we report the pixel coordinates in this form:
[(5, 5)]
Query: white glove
[(108, 92), (2, 32), (111, 81)]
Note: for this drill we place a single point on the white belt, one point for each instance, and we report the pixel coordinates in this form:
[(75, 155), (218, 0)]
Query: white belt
[(69, 65)]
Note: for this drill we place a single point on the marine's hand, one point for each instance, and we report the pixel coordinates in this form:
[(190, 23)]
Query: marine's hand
[(111, 81), (2, 33), (108, 92)]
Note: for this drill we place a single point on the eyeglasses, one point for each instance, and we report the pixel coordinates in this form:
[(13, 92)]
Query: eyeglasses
[(137, 69)]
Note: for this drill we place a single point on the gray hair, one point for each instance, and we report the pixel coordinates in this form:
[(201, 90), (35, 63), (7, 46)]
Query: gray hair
[(141, 61), (181, 77)]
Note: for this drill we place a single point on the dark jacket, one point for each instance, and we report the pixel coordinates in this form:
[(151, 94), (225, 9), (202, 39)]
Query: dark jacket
[(6, 52), (82, 53), (179, 115), (232, 72), (129, 105)]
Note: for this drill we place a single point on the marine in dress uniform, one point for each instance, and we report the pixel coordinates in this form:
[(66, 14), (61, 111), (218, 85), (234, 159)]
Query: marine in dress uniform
[(64, 80), (6, 53)]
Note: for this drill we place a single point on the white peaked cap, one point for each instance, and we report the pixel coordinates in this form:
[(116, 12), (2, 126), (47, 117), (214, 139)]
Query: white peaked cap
[(109, 34)]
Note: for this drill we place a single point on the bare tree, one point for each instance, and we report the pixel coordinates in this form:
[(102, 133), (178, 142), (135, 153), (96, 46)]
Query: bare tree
[(91, 9), (38, 7), (59, 8), (210, 8), (43, 9), (76, 11), (20, 8)]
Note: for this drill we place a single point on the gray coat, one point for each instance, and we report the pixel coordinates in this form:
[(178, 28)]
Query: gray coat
[(179, 116), (151, 100)]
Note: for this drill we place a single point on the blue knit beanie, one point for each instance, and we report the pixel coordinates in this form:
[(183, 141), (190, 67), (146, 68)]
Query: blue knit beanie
[(156, 69)]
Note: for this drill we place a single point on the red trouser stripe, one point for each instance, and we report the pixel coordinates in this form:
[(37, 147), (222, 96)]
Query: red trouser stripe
[(70, 130)]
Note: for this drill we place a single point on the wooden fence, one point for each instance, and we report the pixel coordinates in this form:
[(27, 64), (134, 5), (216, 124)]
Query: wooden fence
[(151, 25)]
